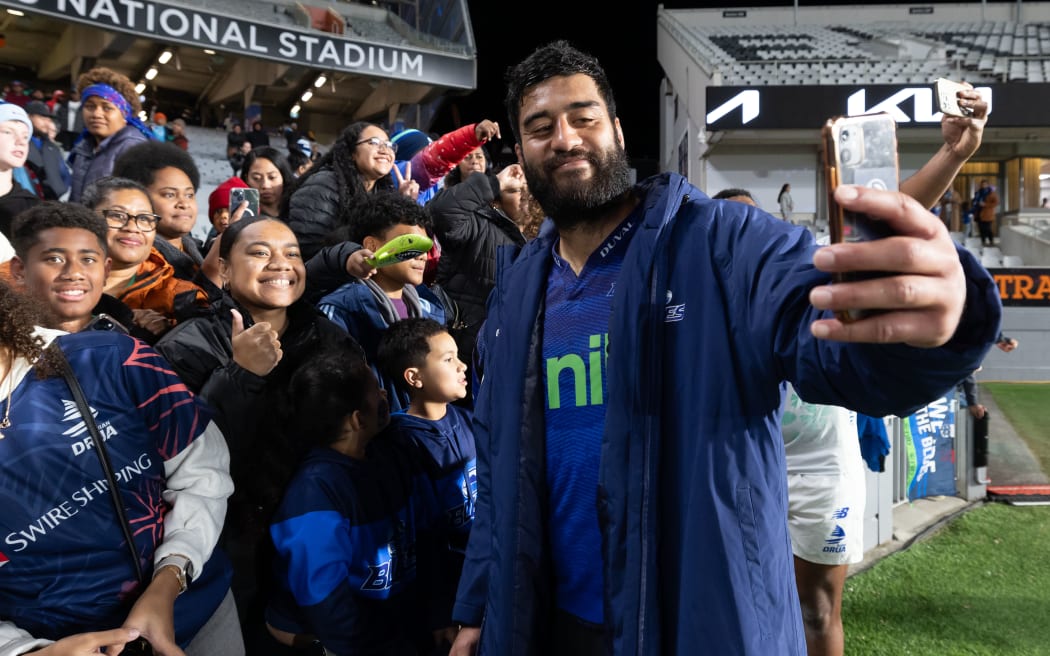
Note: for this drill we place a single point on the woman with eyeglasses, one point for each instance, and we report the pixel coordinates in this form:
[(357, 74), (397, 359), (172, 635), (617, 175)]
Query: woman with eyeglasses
[(171, 177), (111, 125), (139, 276), (358, 162)]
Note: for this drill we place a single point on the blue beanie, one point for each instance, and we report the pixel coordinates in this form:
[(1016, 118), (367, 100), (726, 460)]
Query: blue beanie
[(409, 142)]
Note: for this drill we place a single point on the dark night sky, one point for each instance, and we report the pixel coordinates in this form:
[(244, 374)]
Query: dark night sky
[(507, 32), (621, 35)]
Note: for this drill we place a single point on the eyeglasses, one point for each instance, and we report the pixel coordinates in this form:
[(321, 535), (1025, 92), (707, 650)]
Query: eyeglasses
[(377, 143), (118, 219)]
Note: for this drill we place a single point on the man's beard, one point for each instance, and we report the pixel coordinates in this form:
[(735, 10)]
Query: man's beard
[(572, 202)]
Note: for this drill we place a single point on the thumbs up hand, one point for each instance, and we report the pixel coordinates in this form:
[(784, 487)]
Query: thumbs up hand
[(257, 349)]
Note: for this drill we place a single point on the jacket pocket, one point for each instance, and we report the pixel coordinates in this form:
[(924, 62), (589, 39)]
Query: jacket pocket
[(751, 545)]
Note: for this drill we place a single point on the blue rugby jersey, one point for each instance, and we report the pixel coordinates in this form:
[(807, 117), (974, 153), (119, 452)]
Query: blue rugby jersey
[(64, 565), (575, 343), (346, 539)]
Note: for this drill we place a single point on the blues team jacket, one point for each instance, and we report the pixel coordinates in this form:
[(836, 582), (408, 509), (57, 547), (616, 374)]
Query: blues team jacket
[(445, 451), (710, 314), (347, 541)]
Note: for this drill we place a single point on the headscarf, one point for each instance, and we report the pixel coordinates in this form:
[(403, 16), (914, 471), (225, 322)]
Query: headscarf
[(106, 92)]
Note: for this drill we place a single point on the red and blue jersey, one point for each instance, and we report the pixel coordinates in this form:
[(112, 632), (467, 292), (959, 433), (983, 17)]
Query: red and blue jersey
[(65, 566)]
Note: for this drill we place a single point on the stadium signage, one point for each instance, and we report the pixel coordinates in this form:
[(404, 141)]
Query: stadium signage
[(1028, 286), (784, 107), (187, 25)]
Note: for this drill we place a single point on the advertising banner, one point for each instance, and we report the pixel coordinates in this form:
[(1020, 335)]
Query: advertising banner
[(929, 443), (1023, 286)]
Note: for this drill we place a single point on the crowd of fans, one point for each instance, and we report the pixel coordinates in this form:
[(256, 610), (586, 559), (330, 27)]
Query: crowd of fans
[(283, 421), (330, 521)]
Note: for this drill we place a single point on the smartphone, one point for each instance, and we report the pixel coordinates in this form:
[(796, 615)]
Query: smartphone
[(858, 150), (240, 194), (947, 98)]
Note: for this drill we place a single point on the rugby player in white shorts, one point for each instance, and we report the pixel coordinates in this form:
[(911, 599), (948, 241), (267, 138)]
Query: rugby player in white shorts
[(826, 494)]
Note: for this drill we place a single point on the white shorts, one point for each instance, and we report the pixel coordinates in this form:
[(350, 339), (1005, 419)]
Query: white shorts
[(826, 517)]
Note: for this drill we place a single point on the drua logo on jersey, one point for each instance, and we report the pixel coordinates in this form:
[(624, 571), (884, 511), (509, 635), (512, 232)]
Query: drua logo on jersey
[(79, 429), (587, 372)]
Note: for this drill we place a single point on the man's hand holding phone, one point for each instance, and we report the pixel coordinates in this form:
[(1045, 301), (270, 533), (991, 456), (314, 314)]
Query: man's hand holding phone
[(920, 301)]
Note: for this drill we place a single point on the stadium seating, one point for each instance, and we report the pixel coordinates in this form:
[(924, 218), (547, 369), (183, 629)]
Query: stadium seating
[(881, 52)]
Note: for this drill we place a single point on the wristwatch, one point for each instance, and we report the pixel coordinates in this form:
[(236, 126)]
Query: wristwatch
[(182, 566)]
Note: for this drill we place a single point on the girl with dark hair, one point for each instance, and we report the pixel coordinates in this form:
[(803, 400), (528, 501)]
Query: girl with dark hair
[(267, 170), (240, 360), (358, 162), (172, 475)]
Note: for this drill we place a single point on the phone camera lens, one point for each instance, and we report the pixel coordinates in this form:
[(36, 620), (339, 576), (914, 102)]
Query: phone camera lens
[(844, 136), (847, 156)]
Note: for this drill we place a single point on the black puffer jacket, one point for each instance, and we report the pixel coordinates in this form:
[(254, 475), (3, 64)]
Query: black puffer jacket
[(201, 352), (470, 231), (250, 411), (313, 211)]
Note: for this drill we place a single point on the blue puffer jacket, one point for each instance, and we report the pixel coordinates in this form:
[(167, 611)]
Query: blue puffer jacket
[(364, 311), (710, 314)]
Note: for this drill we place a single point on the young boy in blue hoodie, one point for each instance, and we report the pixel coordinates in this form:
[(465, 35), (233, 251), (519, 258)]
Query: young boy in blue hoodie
[(421, 356), (346, 533), (367, 307)]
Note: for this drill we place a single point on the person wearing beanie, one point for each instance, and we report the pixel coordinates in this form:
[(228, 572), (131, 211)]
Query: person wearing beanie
[(178, 134), (160, 129), (15, 130), (45, 157), (16, 94), (57, 96), (219, 208), (110, 108), (431, 160)]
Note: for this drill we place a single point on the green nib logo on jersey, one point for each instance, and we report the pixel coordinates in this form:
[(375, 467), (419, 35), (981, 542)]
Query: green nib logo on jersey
[(399, 249)]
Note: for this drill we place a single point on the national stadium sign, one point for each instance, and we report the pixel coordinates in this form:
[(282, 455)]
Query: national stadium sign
[(289, 45)]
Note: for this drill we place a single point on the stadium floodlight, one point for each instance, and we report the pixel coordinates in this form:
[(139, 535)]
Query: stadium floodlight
[(319, 82), (209, 51), (16, 12), (307, 95), (165, 56), (294, 111), (140, 87), (151, 73)]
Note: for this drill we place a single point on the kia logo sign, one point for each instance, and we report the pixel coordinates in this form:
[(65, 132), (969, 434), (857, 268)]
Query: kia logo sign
[(922, 107), (808, 107)]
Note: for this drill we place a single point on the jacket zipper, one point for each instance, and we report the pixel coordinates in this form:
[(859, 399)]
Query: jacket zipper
[(654, 300)]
